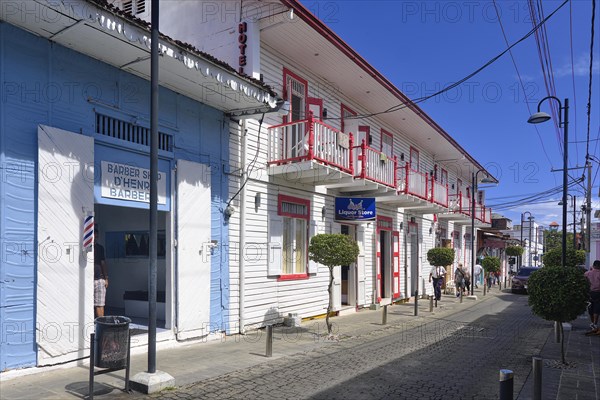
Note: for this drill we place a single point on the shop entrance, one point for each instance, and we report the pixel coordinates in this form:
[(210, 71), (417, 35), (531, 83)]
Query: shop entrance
[(349, 272), (124, 233), (413, 234)]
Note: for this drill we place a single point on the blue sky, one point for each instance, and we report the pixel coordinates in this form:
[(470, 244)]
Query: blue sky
[(423, 46)]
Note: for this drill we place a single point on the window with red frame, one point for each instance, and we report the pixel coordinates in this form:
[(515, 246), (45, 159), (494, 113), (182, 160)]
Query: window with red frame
[(295, 91), (414, 159), (444, 177), (295, 213), (387, 143)]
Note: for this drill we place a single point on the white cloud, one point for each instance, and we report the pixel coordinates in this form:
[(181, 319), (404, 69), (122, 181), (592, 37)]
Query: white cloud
[(580, 67)]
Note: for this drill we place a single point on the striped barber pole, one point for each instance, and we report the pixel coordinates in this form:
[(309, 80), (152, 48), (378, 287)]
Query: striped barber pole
[(88, 233)]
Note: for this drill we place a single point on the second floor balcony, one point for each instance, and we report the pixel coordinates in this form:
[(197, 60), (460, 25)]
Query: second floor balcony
[(460, 206), (312, 152)]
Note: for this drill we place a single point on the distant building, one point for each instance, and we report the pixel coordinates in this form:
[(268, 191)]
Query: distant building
[(500, 222), (553, 226)]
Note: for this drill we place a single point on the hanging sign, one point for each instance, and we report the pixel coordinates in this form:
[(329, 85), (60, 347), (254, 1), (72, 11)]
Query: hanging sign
[(127, 182), (355, 209)]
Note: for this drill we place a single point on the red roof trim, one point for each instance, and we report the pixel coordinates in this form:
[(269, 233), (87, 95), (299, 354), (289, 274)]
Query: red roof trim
[(327, 33)]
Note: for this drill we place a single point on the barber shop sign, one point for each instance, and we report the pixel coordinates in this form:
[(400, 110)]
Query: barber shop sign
[(355, 209)]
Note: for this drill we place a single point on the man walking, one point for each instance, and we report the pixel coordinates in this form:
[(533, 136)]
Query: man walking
[(100, 276), (478, 270), (438, 274), (593, 275)]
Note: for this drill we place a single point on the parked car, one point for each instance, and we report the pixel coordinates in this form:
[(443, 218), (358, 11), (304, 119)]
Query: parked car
[(519, 281)]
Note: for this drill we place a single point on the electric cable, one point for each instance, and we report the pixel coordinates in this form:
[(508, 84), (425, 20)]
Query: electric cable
[(418, 100), (521, 82), (589, 104), (573, 79)]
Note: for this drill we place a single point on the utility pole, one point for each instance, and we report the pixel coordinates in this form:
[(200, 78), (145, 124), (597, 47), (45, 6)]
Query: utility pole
[(588, 213)]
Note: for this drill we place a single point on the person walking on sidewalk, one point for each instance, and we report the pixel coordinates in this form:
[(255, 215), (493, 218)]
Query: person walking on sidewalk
[(478, 271), (459, 280), (593, 275), (100, 276), (437, 274)]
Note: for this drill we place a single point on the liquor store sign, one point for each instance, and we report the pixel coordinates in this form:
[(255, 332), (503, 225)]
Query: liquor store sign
[(130, 183), (355, 209)]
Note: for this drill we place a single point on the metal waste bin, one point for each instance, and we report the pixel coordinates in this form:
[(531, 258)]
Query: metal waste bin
[(111, 341)]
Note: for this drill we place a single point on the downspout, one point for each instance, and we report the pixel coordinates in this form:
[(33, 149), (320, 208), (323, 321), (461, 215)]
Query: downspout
[(241, 251)]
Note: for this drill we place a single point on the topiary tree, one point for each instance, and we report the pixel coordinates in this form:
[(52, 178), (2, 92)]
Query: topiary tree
[(553, 257), (491, 264), (514, 251), (558, 294), (331, 250), (440, 256)]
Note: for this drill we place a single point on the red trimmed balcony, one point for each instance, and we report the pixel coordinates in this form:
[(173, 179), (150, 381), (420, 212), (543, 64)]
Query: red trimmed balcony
[(418, 192), (312, 152), (373, 165), (460, 211)]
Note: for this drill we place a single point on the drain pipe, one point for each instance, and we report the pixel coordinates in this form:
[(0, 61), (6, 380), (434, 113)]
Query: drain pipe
[(242, 243)]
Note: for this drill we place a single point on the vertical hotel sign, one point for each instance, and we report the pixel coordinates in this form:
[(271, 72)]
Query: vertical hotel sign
[(130, 183), (242, 39)]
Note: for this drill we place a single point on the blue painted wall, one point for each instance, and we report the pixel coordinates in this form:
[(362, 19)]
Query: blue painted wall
[(43, 83)]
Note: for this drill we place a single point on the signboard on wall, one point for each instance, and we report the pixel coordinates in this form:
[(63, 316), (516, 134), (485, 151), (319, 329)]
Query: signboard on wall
[(130, 183), (355, 209)]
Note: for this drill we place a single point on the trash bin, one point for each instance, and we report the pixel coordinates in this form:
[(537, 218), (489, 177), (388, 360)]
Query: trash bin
[(111, 341)]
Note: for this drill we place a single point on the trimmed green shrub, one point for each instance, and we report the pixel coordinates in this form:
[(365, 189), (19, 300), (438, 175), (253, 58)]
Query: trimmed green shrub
[(331, 250), (440, 256), (491, 264), (514, 251), (553, 257), (558, 294)]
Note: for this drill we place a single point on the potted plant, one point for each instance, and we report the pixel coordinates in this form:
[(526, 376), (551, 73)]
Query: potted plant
[(331, 250), (514, 251)]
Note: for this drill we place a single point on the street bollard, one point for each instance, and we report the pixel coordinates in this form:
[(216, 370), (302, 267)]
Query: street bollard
[(269, 340), (557, 331), (484, 286), (461, 295), (416, 302), (506, 384), (430, 303), (384, 315), (500, 284), (537, 378)]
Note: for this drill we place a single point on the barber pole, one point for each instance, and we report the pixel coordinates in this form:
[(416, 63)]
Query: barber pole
[(88, 233)]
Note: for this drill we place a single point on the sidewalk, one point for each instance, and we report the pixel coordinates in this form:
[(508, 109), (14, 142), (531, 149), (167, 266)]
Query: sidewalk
[(582, 379), (193, 362)]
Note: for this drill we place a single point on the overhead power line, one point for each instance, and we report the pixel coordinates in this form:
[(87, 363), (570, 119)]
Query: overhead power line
[(521, 82), (466, 78)]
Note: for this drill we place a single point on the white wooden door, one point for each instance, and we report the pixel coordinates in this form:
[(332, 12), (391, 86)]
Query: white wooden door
[(193, 249), (65, 274), (396, 264), (337, 276), (360, 266)]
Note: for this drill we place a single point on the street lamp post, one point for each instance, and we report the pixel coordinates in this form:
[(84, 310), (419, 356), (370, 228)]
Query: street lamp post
[(529, 244), (563, 122), (473, 251), (528, 234), (574, 198)]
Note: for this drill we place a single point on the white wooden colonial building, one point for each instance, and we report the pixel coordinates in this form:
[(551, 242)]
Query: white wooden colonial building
[(335, 142)]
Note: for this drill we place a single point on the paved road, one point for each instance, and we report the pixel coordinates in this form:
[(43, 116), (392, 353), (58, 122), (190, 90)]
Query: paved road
[(458, 357)]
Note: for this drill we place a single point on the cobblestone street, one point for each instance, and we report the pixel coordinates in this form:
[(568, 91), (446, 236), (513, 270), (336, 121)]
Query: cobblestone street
[(457, 357)]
